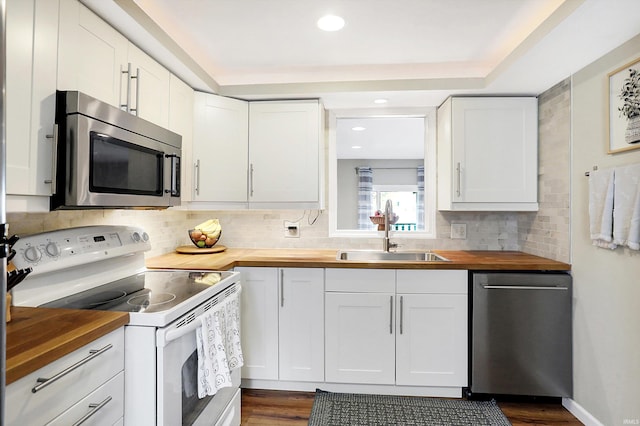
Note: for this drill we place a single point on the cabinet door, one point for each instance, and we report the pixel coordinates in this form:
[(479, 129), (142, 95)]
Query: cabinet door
[(301, 326), (91, 54), (494, 150), (360, 338), (181, 122), (32, 30), (259, 323), (284, 152), (431, 340), (220, 149), (149, 88)]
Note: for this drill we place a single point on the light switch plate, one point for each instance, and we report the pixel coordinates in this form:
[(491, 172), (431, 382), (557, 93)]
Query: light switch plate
[(291, 229), (458, 231)]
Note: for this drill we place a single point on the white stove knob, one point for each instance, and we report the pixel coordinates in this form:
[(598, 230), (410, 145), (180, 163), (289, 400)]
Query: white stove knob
[(52, 249), (136, 237), (32, 254), (145, 237)]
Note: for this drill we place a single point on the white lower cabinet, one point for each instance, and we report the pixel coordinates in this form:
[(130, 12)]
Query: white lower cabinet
[(402, 327), (88, 380), (259, 327), (360, 340), (282, 323)]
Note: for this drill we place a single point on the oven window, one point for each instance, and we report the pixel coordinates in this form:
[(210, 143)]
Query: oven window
[(192, 406), (124, 168)]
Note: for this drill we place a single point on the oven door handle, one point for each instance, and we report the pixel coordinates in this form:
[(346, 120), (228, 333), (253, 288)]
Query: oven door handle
[(176, 333)]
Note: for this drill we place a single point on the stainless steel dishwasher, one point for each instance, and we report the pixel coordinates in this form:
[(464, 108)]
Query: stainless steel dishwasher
[(521, 334)]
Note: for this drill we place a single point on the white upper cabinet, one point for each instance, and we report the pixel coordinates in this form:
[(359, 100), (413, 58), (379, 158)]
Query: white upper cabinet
[(181, 122), (96, 59), (149, 87), (284, 154), (32, 29), (92, 55), (488, 154), (220, 150), (263, 154)]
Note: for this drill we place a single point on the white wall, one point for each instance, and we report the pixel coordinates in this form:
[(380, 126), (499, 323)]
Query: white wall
[(606, 283)]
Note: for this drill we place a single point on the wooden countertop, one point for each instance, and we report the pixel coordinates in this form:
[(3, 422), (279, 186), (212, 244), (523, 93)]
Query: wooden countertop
[(39, 336), (322, 258)]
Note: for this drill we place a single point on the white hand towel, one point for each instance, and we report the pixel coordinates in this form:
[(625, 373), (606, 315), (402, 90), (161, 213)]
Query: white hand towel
[(626, 211), (218, 344), (601, 189)]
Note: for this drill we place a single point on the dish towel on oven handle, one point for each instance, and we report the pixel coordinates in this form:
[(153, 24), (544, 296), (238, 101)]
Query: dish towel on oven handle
[(218, 345)]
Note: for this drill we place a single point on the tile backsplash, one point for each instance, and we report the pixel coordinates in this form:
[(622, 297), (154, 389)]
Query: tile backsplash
[(265, 229)]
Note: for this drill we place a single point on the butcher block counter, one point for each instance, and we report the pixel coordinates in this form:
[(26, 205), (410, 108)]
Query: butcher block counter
[(39, 336), (322, 258)]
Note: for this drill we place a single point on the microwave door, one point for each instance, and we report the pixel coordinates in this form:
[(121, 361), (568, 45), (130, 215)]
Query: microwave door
[(111, 167)]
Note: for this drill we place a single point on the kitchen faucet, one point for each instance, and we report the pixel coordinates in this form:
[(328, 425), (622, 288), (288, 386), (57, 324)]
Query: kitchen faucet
[(388, 211)]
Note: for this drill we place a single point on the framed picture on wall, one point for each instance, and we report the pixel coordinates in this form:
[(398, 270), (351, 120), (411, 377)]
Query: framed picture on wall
[(624, 108)]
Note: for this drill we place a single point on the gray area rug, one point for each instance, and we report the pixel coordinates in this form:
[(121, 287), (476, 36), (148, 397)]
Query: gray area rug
[(347, 409)]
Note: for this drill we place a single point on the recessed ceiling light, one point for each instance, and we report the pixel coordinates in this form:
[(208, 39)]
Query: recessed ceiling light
[(330, 23), (356, 147), (380, 101), (358, 128)]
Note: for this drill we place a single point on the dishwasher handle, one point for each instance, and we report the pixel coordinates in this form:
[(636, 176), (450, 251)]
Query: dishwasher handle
[(522, 287)]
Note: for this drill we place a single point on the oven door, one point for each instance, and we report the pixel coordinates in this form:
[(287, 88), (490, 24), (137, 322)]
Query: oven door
[(177, 372), (107, 166)]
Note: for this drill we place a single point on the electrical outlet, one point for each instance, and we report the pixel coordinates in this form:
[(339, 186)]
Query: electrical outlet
[(291, 229), (459, 231)]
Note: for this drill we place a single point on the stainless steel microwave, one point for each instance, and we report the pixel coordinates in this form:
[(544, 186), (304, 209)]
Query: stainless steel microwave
[(108, 158)]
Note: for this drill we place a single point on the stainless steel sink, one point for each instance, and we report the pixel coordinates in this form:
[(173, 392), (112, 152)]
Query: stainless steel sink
[(406, 256)]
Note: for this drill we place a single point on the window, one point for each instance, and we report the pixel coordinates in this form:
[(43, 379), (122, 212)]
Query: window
[(405, 202)]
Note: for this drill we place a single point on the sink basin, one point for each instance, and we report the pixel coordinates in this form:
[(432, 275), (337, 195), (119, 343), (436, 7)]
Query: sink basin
[(406, 256)]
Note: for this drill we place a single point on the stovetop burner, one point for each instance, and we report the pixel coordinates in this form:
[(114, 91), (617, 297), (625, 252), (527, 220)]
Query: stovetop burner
[(146, 300)]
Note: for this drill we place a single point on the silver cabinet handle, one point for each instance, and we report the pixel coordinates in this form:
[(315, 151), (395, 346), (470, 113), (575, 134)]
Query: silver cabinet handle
[(127, 104), (390, 314), (94, 409), (136, 110), (54, 158), (521, 287), (251, 179), (458, 179), (197, 176), (281, 287), (401, 313), (44, 382)]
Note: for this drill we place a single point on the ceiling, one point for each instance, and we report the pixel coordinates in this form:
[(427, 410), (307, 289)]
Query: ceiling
[(410, 52)]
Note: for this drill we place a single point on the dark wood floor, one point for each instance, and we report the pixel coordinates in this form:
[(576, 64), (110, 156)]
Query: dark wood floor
[(264, 407)]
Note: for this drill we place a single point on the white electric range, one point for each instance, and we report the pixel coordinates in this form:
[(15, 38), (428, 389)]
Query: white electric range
[(102, 267)]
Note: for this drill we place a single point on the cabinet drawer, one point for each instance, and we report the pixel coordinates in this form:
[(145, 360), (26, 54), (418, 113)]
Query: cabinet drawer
[(26, 407), (107, 401), (360, 280), (432, 281)]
